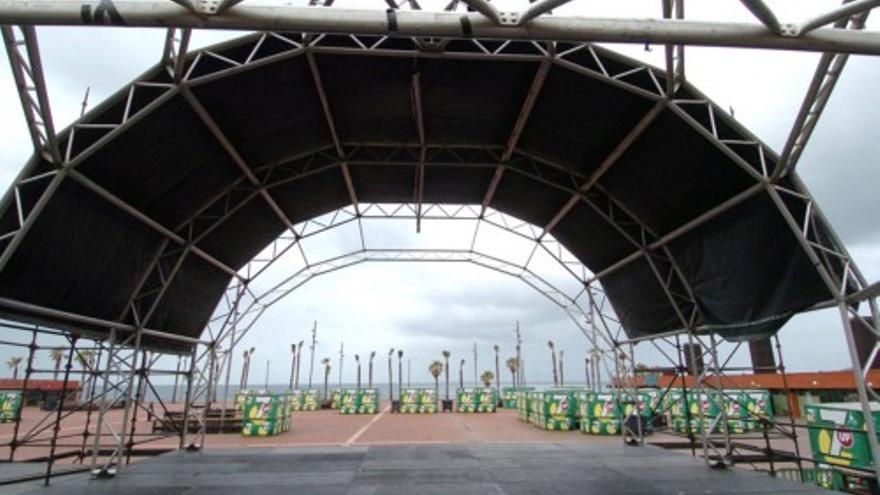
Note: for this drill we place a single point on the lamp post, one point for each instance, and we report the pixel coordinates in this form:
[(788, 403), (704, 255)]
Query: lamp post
[(292, 366), (312, 353)]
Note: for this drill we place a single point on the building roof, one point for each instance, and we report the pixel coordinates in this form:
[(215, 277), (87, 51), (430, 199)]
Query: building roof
[(655, 196), (39, 385), (810, 380)]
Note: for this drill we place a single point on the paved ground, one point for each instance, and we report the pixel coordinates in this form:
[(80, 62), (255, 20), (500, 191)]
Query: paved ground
[(492, 468)]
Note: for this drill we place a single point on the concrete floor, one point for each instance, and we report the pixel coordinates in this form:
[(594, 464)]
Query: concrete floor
[(557, 468)]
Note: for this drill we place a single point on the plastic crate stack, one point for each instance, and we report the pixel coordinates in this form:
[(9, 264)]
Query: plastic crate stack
[(360, 401), (839, 435), (10, 406), (306, 400), (554, 410), (744, 410), (418, 401), (524, 404), (599, 413), (265, 414), (510, 396), (476, 400)]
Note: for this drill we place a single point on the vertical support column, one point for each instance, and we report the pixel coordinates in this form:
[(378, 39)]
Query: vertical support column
[(683, 371), (139, 395), (861, 386), (13, 444), (120, 448), (57, 427), (102, 409), (188, 398), (698, 390), (212, 377), (91, 398), (719, 396)]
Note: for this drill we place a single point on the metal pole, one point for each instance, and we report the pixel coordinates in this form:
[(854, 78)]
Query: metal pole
[(436, 24), (341, 360), (129, 390), (57, 427), (312, 354), (298, 361), (103, 404), (188, 398), (476, 382), (268, 361), (861, 387), (292, 366), (141, 373), (13, 444), (229, 353), (176, 376)]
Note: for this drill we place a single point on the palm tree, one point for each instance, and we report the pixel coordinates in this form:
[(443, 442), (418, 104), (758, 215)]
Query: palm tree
[(497, 372), (512, 365), (461, 374), (357, 359), (446, 355), (57, 355), (327, 367), (370, 368), (390, 377), (399, 373), (561, 369), (13, 363), (487, 378), (436, 367), (85, 359), (553, 355)]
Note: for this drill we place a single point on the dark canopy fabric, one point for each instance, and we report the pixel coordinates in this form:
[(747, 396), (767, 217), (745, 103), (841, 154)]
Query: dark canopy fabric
[(83, 255)]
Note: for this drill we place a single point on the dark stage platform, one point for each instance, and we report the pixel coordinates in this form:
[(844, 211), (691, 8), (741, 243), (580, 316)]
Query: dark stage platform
[(492, 468)]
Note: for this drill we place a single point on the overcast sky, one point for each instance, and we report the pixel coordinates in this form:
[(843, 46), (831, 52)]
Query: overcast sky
[(425, 308)]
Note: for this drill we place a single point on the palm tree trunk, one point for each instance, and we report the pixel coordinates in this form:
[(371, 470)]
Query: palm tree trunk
[(513, 377), (359, 375), (370, 374), (447, 378), (555, 372), (400, 376), (497, 375)]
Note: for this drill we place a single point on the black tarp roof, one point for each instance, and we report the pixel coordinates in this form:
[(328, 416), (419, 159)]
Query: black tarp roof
[(85, 256)]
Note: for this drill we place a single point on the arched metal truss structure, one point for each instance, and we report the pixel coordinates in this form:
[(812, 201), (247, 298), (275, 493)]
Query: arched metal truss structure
[(472, 30)]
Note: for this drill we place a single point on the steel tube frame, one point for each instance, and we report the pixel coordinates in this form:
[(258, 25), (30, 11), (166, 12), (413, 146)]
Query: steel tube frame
[(437, 25)]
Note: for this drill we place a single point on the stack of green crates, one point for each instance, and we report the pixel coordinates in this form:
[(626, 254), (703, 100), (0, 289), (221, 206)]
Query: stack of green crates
[(360, 401), (336, 398), (838, 433), (510, 396), (524, 404), (305, 400), (418, 401), (311, 400), (10, 406), (265, 414), (744, 410), (554, 410), (599, 413), (479, 400)]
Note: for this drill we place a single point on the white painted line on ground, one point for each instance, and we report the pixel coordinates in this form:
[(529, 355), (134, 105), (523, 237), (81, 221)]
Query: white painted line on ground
[(366, 427)]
